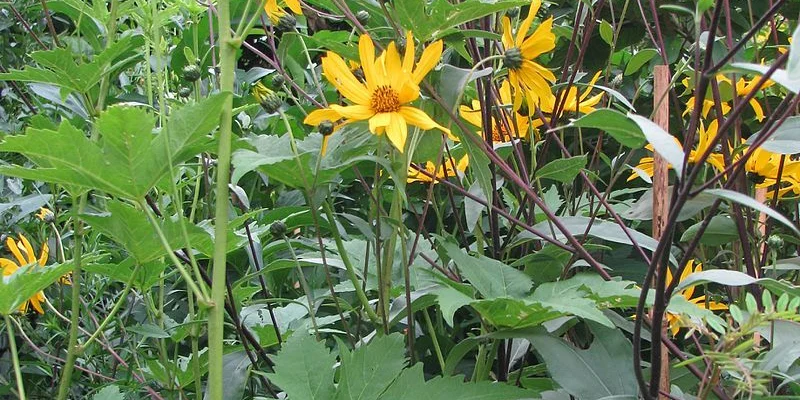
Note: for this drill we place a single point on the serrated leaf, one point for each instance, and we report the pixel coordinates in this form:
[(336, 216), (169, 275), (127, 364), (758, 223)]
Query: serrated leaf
[(514, 313), (17, 288), (565, 297), (432, 20), (490, 277), (411, 385), (366, 372), (110, 392), (304, 368)]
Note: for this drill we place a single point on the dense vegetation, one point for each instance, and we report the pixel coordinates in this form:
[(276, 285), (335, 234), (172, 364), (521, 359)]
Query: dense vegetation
[(360, 199)]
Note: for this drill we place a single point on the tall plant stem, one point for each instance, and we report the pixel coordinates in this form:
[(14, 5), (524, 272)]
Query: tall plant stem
[(216, 313), (12, 344)]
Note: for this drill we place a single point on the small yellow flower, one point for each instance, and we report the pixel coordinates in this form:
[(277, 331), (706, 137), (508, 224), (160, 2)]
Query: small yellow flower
[(674, 320), (24, 255), (646, 164), (743, 87), (451, 168), (574, 102), (528, 78), (519, 125), (275, 9), (390, 83)]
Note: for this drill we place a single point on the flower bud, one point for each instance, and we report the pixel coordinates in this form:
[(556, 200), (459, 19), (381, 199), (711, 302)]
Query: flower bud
[(277, 81), (362, 16), (278, 229), (513, 58), (191, 73), (45, 215), (775, 242), (185, 91), (325, 127), (286, 23)]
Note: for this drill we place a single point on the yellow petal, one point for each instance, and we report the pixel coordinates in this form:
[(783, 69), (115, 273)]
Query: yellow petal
[(397, 131), (542, 41), (757, 109), (12, 247), (337, 73), (430, 57), (8, 267), (508, 40), (378, 122), (356, 112), (408, 56), (317, 116), (44, 255), (294, 5), (366, 52), (526, 24)]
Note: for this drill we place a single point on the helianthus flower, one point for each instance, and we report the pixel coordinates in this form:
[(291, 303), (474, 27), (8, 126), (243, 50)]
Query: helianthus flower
[(45, 215), (275, 9), (574, 102), (451, 168), (389, 85), (24, 255), (674, 320), (743, 87), (765, 165), (646, 164), (528, 78), (519, 125)]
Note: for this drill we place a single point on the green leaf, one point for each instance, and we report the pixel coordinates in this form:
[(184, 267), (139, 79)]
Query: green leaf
[(606, 32), (235, 373), (565, 297), (604, 369), (411, 385), (639, 59), (128, 161), (642, 209), (304, 368), (17, 288), (514, 313), (110, 392), (663, 143), (793, 63), (490, 277), (748, 201), (620, 127), (435, 19), (784, 140), (149, 331), (366, 372), (721, 230), (450, 300), (563, 169)]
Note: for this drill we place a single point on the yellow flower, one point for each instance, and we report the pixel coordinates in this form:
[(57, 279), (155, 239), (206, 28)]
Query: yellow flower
[(785, 49), (24, 255), (389, 85), (45, 214), (743, 87), (765, 165), (528, 78), (451, 168), (519, 125), (574, 102), (275, 9), (646, 164), (674, 320)]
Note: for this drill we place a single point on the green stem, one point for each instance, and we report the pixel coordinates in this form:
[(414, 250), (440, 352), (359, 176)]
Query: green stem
[(194, 333), (72, 344), (216, 316), (434, 339), (306, 288), (351, 272), (12, 344), (116, 307)]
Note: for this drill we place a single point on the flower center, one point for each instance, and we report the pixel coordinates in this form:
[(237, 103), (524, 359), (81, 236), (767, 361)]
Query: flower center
[(384, 99), (513, 58)]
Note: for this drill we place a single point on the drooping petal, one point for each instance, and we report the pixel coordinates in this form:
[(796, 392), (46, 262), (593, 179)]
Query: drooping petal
[(12, 247), (44, 255), (36, 301), (378, 122), (339, 74), (8, 267), (357, 112), (590, 86), (526, 24), (757, 110), (397, 131), (508, 39), (294, 5), (317, 116), (28, 249), (430, 57), (542, 41)]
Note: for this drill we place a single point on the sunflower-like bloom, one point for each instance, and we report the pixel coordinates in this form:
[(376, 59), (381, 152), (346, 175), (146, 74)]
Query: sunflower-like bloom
[(45, 215), (743, 87), (574, 102), (765, 165), (390, 83), (675, 321), (451, 168), (275, 9), (519, 126), (528, 78), (24, 255), (704, 137)]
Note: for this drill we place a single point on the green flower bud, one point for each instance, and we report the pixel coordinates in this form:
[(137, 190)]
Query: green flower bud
[(191, 73), (513, 12), (775, 242), (286, 23), (325, 127), (277, 81), (185, 91), (278, 229), (363, 17)]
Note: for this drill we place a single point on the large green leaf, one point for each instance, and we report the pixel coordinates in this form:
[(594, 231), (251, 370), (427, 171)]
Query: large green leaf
[(562, 169), (17, 288), (616, 124), (366, 372), (434, 19), (785, 139), (663, 143), (411, 385), (235, 374), (514, 313), (748, 201), (304, 368), (490, 277), (565, 297), (128, 161), (604, 369)]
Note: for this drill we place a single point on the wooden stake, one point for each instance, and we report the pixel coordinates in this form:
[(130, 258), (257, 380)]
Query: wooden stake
[(661, 85)]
